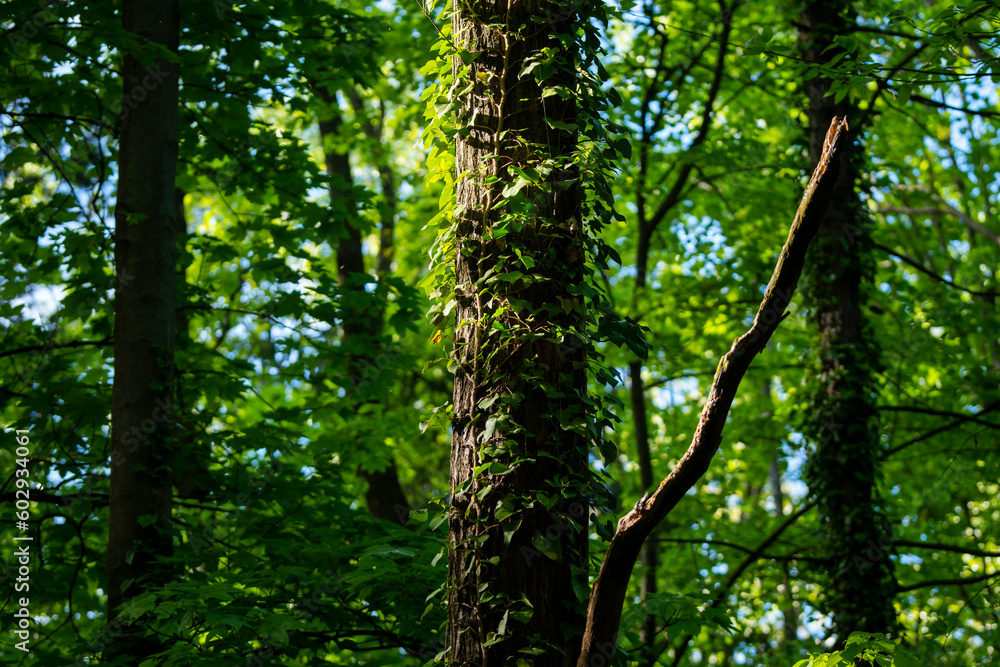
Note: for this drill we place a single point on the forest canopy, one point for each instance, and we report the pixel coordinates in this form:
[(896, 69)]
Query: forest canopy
[(544, 332)]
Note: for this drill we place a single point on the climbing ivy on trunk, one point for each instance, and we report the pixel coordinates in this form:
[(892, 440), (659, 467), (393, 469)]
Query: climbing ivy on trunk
[(842, 420), (531, 163)]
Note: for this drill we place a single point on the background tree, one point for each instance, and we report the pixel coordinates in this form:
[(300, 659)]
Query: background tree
[(842, 417), (142, 412)]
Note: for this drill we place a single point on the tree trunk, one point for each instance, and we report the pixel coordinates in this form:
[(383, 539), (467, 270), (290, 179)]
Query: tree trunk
[(142, 408), (843, 470), (362, 322), (192, 454), (650, 556), (518, 523)]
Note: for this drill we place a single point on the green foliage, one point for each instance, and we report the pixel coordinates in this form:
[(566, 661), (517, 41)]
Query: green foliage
[(281, 561), (874, 649)]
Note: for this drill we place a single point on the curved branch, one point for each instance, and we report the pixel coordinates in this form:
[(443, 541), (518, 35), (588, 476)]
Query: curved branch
[(608, 594), (937, 413), (926, 101), (755, 555), (54, 346), (944, 209), (961, 581), (706, 123), (947, 427), (946, 547), (60, 499), (923, 269), (902, 67)]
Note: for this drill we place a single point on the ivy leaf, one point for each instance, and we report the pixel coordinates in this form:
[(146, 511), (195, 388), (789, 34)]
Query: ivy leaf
[(515, 187), (491, 426), (550, 548)]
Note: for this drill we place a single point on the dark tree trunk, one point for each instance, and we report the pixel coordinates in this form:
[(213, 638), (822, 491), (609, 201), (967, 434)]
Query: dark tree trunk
[(517, 558), (843, 418), (142, 405), (362, 322), (192, 453), (650, 556)]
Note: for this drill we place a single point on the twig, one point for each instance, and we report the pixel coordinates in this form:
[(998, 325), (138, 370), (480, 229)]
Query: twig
[(54, 346)]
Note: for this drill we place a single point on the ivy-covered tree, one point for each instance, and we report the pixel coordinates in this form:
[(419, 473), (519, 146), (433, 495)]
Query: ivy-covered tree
[(842, 416), (519, 459)]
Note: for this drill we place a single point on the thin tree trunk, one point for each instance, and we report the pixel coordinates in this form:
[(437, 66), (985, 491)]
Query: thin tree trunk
[(373, 131), (789, 611), (649, 558), (518, 528), (362, 324), (191, 468), (843, 470), (142, 407)]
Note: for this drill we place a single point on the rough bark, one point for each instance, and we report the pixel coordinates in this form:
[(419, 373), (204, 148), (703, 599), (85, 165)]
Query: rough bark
[(843, 416), (608, 592), (518, 543), (142, 407)]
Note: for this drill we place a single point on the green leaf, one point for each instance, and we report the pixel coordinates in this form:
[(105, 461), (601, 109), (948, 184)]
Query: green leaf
[(489, 430), (904, 659), (550, 548)]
